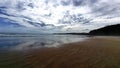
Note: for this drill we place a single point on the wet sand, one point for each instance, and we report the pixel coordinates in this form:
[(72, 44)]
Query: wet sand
[(96, 52)]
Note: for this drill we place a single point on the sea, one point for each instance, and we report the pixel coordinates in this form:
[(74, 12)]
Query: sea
[(14, 42)]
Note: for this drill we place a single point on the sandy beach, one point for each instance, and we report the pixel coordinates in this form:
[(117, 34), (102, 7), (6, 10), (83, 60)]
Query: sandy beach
[(96, 52)]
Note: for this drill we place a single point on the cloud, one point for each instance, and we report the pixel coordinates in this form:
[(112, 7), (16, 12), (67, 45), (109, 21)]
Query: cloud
[(60, 15)]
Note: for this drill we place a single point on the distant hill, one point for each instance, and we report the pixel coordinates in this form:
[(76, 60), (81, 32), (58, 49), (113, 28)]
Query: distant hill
[(108, 30), (71, 33)]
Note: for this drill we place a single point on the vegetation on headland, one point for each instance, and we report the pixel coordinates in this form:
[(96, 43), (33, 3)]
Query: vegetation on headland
[(108, 30), (112, 30)]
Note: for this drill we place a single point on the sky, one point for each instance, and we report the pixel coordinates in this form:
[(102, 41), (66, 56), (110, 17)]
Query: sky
[(56, 16)]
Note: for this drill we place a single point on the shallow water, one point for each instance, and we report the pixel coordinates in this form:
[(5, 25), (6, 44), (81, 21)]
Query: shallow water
[(24, 43)]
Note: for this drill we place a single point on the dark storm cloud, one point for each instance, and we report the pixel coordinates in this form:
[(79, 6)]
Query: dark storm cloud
[(73, 2), (78, 2), (83, 2), (2, 11), (31, 5)]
